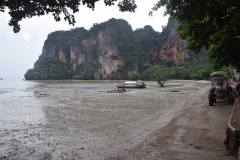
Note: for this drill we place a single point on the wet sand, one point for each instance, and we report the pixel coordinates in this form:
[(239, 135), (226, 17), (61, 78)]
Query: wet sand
[(80, 120)]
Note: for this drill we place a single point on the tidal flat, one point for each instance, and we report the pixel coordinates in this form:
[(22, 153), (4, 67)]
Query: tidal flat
[(75, 119)]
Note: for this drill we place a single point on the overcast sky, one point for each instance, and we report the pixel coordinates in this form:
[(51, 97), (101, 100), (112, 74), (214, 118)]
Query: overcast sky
[(19, 51)]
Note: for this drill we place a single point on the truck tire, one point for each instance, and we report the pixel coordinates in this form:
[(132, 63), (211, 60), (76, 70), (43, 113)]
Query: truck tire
[(236, 151), (226, 141), (231, 100), (214, 100), (238, 156), (210, 102)]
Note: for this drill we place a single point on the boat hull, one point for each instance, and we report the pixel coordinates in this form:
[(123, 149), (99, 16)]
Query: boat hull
[(130, 86)]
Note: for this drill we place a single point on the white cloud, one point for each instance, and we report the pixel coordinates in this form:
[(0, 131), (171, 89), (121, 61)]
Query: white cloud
[(26, 36)]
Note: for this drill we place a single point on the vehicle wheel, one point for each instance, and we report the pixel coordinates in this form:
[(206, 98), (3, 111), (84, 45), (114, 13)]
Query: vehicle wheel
[(236, 149), (238, 156), (226, 141), (214, 100), (210, 102), (231, 100)]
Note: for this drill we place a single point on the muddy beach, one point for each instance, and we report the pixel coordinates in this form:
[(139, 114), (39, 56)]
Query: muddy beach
[(81, 120)]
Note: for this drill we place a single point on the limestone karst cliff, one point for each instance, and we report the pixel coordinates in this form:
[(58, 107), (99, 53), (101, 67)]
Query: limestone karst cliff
[(110, 50), (172, 48)]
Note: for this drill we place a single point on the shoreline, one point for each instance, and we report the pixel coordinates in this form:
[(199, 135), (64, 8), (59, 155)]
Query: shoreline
[(75, 120)]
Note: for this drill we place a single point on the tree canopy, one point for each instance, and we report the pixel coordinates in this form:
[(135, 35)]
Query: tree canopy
[(213, 24), (19, 9)]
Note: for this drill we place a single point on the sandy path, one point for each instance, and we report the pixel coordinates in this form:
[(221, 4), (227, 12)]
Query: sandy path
[(198, 133), (77, 121)]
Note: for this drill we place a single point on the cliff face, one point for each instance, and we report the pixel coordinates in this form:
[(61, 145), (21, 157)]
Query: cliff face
[(172, 50), (95, 54), (109, 50)]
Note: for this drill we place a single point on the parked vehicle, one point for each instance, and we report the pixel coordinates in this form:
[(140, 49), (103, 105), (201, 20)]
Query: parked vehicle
[(220, 88)]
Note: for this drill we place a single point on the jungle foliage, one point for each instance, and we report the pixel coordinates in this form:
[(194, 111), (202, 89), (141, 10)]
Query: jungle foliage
[(198, 69), (49, 68)]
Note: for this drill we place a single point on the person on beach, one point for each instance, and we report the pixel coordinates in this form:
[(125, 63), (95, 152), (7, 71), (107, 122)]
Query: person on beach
[(238, 90)]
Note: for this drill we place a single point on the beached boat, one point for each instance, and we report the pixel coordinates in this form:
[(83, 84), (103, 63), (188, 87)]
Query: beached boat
[(131, 84)]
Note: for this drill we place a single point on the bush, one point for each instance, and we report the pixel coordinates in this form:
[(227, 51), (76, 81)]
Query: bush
[(135, 77), (88, 76)]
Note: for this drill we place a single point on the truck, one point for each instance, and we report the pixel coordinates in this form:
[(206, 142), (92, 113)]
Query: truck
[(220, 88)]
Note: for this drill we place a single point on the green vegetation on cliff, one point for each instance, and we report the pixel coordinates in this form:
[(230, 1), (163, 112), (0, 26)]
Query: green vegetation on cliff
[(49, 68), (135, 48)]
